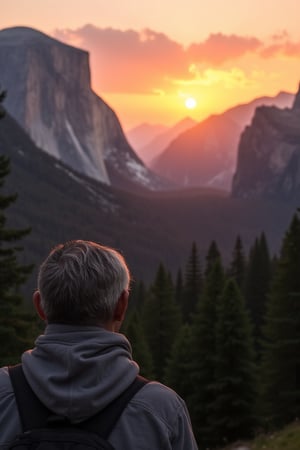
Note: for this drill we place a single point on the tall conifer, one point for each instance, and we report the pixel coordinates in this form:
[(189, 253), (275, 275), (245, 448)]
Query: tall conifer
[(178, 368), (238, 264), (138, 295), (233, 408), (161, 320), (140, 349), (202, 355), (179, 288), (281, 357), (257, 285), (192, 284), (213, 254)]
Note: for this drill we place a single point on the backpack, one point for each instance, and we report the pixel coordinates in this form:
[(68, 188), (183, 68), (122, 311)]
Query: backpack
[(43, 430)]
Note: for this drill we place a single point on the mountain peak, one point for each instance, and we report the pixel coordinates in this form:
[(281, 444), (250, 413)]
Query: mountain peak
[(26, 33), (26, 36)]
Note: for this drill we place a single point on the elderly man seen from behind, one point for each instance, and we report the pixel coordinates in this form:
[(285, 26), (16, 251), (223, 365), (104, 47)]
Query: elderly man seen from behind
[(81, 363)]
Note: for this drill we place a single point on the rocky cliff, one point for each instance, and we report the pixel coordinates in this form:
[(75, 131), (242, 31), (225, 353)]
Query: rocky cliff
[(49, 94), (268, 163)]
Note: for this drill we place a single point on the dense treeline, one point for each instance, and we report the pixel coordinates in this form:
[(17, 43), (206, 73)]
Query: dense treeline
[(227, 339)]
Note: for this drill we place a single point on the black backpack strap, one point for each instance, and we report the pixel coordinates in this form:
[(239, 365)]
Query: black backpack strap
[(104, 422), (34, 414)]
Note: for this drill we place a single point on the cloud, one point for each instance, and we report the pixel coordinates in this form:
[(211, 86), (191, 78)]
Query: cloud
[(128, 61), (148, 62), (229, 79), (287, 48), (280, 44), (219, 48), (281, 35)]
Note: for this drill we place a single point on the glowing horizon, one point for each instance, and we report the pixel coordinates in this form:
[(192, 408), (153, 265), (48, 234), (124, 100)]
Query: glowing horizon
[(145, 65)]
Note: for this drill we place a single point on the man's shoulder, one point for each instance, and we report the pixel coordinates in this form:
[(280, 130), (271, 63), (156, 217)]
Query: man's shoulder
[(156, 417), (159, 389), (155, 396)]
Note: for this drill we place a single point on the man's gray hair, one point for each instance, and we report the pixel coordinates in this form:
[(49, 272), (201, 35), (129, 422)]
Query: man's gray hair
[(80, 282)]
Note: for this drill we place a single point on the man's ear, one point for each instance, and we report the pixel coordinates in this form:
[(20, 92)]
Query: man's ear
[(38, 306), (121, 307)]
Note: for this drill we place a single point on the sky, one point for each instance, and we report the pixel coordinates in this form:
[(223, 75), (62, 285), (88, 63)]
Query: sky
[(149, 58)]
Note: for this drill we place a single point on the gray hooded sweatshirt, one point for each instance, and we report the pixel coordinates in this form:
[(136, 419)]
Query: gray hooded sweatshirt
[(78, 371)]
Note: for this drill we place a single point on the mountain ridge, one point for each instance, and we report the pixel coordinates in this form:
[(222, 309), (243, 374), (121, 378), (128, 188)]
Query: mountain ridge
[(148, 151)]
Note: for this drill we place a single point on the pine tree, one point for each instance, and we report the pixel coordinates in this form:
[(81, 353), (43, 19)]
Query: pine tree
[(161, 320), (178, 371), (233, 408), (281, 357), (140, 349), (238, 263), (192, 284), (257, 284), (179, 288), (212, 256), (13, 329), (138, 293), (202, 355)]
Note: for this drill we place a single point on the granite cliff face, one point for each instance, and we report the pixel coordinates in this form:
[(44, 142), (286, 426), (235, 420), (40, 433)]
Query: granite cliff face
[(49, 94), (268, 163)]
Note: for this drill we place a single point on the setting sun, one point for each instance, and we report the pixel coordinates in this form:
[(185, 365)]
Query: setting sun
[(190, 103)]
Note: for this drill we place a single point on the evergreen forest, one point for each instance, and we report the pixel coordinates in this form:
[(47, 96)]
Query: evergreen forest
[(225, 337)]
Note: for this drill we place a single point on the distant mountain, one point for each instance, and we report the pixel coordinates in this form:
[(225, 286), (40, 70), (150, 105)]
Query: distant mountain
[(197, 156), (142, 134), (151, 148), (269, 155), (243, 114), (50, 96), (206, 154)]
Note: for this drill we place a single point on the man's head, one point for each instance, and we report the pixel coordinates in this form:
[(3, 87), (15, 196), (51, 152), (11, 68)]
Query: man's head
[(82, 282)]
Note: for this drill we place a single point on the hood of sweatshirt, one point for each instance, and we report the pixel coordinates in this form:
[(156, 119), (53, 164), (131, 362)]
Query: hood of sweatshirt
[(78, 371)]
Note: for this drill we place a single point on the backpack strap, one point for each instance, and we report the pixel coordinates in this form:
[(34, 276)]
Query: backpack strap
[(103, 422), (37, 414)]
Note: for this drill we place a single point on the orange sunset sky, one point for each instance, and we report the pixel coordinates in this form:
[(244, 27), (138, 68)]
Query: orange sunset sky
[(149, 56)]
